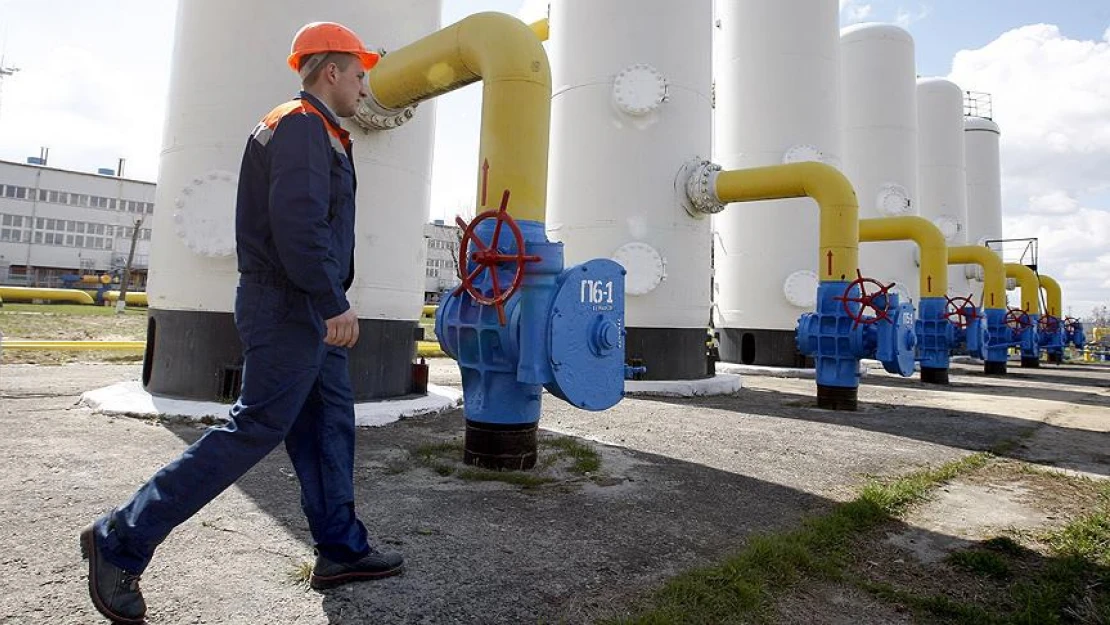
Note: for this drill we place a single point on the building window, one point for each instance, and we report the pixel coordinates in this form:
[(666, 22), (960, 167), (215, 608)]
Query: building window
[(38, 237), (7, 220), (79, 241), (111, 203), (69, 240), (42, 195)]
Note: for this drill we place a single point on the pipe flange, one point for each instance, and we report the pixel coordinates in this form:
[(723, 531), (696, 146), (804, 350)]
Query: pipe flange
[(204, 214), (803, 153), (373, 115), (646, 267), (639, 89), (800, 289), (949, 226), (700, 185), (893, 200)]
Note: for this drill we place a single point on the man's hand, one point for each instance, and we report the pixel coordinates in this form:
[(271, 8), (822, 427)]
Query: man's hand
[(342, 329)]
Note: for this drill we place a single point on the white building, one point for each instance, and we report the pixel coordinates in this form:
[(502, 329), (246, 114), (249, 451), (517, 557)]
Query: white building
[(56, 222), (441, 270)]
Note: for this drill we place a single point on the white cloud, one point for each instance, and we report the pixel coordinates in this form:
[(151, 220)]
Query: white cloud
[(1052, 102), (852, 11), (532, 10), (905, 17)]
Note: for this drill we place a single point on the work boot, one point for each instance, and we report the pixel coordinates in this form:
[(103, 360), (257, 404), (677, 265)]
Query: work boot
[(114, 591), (374, 565)]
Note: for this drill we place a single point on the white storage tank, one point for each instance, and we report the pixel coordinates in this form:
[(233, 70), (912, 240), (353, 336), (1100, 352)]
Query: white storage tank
[(631, 103), (777, 75), (984, 187), (879, 86), (229, 70), (942, 177)]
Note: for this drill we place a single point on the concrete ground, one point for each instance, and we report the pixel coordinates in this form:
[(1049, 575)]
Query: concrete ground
[(683, 483)]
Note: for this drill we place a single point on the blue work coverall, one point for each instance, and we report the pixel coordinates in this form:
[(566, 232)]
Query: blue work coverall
[(295, 240)]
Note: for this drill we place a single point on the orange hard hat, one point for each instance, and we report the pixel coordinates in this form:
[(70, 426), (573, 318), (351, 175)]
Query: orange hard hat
[(328, 37)]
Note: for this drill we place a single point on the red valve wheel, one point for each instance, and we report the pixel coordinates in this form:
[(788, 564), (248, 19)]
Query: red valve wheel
[(1017, 319), (957, 313), (1048, 324), (491, 258), (866, 300)]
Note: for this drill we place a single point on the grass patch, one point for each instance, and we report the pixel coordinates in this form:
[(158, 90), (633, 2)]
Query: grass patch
[(981, 562), (1072, 585), (301, 573), (445, 458), (70, 310), (738, 590)]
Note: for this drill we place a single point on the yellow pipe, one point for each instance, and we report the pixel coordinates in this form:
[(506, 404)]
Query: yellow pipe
[(134, 298), (23, 294), (839, 233), (1053, 295), (506, 56), (1030, 287), (542, 28), (934, 252), (428, 348), (429, 310), (131, 346), (994, 272)]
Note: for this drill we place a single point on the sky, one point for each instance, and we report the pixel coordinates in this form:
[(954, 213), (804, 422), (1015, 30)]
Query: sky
[(94, 76)]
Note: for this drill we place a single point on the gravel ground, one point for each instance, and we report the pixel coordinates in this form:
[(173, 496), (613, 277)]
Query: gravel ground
[(684, 482)]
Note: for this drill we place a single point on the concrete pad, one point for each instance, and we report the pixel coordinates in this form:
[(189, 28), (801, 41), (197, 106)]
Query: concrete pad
[(777, 372), (720, 384), (130, 398)]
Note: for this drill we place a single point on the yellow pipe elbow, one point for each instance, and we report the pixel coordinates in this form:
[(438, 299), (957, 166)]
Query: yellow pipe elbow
[(994, 272), (839, 232), (934, 252), (1030, 287), (505, 54), (542, 28), (1053, 295)]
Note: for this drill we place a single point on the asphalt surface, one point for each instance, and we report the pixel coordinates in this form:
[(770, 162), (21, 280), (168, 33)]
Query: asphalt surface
[(683, 482)]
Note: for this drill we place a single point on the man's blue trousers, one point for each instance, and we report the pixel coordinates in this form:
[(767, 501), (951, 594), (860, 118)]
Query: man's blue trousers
[(295, 389)]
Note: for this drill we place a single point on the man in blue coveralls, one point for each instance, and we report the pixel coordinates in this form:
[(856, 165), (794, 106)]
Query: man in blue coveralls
[(295, 235)]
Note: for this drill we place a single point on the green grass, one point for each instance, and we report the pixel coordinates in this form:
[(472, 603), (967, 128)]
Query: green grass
[(444, 458), (75, 310), (981, 562), (739, 589)]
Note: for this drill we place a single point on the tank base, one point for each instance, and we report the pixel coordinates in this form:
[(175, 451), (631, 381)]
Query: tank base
[(994, 368), (837, 398), (769, 348), (197, 355), (499, 446), (669, 353), (1028, 362), (931, 375)]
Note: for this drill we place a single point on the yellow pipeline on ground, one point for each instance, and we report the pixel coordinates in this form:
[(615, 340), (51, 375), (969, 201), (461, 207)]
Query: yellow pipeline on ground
[(1030, 287), (839, 233), (428, 349), (542, 28), (1053, 295), (429, 310), (506, 56), (994, 272), (134, 298), (72, 346), (27, 294), (934, 252)]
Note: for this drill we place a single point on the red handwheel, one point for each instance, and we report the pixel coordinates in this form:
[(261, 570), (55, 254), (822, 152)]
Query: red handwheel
[(956, 311), (866, 300), (491, 258), (1017, 319), (1048, 324)]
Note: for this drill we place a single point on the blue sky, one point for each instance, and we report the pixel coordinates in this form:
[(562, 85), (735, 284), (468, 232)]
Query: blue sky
[(95, 74)]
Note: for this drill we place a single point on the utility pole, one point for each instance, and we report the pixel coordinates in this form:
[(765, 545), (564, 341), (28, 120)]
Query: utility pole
[(121, 303)]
